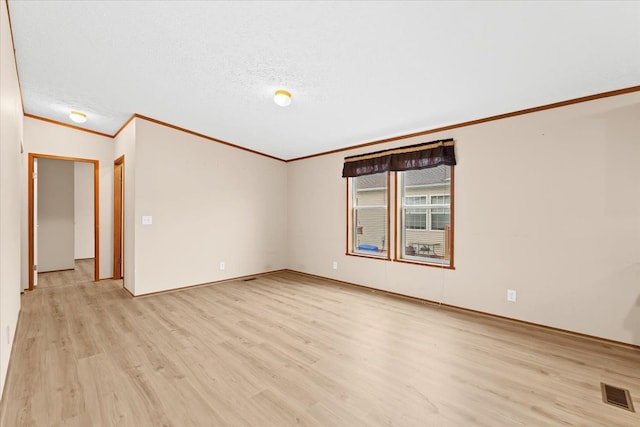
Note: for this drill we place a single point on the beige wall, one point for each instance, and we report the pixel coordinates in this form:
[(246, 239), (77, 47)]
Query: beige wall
[(207, 210), (561, 224), (10, 139), (83, 210), (45, 138), (55, 215), (210, 203), (124, 145)]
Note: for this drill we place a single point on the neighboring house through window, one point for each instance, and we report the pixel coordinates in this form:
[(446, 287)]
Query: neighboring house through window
[(439, 211), (368, 219), (425, 215), (416, 212)]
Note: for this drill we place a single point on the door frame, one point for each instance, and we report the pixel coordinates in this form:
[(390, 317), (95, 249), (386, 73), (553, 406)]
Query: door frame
[(96, 209), (118, 223)]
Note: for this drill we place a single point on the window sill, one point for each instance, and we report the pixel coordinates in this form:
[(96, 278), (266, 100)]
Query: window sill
[(425, 264), (364, 255)]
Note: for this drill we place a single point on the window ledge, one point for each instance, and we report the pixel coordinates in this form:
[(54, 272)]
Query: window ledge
[(359, 255), (425, 264)]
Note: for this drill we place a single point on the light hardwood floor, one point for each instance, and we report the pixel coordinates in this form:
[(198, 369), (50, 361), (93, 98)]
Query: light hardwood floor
[(287, 349), (83, 272)]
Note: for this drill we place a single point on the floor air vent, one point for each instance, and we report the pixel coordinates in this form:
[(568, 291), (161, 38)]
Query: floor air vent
[(617, 397), (249, 279)]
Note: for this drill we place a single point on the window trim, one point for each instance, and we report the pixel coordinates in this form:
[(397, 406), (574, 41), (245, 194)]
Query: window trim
[(395, 244), (350, 229), (397, 253)]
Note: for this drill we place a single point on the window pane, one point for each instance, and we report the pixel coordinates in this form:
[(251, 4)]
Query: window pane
[(369, 222), (370, 190), (416, 200), (425, 215), (416, 219), (440, 200), (439, 219), (371, 230)]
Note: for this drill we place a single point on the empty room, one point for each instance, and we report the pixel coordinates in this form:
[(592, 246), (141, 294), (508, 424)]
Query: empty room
[(319, 213)]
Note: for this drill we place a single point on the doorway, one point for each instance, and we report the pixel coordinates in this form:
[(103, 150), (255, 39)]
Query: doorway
[(118, 223), (32, 196)]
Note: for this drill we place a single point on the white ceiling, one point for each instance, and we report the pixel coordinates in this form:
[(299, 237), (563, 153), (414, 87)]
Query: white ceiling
[(358, 71)]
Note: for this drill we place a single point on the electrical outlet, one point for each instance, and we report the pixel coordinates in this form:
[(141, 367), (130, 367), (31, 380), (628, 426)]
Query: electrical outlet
[(511, 295), (335, 265), (221, 265)]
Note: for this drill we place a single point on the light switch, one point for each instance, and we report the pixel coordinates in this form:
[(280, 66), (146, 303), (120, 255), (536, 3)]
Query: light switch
[(147, 220)]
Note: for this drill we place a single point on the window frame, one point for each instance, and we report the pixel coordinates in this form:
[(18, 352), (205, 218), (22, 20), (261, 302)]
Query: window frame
[(351, 230), (394, 242), (400, 234)]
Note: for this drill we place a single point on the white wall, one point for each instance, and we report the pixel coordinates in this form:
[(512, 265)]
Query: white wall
[(83, 210), (209, 203), (55, 215), (10, 218), (561, 224), (42, 137), (125, 144)]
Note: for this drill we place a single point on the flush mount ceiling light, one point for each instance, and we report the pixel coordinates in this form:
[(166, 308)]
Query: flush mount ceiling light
[(78, 117), (282, 98)]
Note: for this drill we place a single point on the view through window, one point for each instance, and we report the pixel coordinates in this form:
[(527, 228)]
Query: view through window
[(425, 215), (369, 215)]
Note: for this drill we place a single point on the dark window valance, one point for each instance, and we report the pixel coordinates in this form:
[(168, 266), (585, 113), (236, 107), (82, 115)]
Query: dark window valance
[(419, 156)]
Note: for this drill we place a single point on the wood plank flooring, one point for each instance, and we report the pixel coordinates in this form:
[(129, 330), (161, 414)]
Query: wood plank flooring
[(83, 272), (291, 350)]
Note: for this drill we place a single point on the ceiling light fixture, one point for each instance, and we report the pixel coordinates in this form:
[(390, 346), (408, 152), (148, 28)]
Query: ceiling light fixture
[(282, 98), (78, 117)]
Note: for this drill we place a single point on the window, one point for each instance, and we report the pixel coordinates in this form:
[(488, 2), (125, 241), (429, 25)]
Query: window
[(441, 199), (417, 210), (416, 200), (423, 203), (424, 215), (416, 217), (439, 211), (368, 215)]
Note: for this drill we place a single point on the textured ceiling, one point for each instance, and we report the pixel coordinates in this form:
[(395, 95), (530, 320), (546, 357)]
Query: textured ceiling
[(358, 71)]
